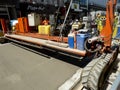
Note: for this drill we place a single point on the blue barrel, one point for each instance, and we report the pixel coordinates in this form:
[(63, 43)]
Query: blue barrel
[(81, 40), (71, 40), (118, 32)]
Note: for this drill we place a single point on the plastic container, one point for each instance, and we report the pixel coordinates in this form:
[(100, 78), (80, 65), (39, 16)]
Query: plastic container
[(71, 40), (47, 29), (40, 29), (80, 40), (44, 29)]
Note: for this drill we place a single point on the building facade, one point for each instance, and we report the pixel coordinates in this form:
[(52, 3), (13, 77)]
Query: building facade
[(118, 1), (55, 2), (50, 2), (118, 5)]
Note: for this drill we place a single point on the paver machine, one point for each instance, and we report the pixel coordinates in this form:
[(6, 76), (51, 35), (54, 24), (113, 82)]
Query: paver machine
[(94, 74)]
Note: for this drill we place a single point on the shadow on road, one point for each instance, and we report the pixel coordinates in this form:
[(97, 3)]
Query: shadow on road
[(49, 53)]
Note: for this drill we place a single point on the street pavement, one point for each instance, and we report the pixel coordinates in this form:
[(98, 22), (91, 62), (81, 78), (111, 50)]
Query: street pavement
[(21, 69)]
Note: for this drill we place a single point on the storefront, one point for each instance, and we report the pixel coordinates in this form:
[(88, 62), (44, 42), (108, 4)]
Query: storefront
[(26, 8)]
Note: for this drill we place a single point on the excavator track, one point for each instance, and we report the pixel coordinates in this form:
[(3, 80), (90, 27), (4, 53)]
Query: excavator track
[(113, 76), (87, 69), (94, 73)]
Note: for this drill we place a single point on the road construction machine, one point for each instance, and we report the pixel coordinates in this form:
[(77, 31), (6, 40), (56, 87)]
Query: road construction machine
[(83, 43)]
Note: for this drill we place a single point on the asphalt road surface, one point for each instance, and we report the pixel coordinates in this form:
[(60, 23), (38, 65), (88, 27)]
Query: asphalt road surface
[(21, 69)]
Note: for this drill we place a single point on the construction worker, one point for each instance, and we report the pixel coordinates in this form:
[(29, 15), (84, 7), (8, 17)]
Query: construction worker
[(99, 22), (45, 21), (115, 26)]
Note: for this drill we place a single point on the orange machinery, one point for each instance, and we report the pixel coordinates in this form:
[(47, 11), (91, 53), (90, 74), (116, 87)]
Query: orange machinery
[(105, 36), (4, 26), (94, 44), (107, 30), (23, 25)]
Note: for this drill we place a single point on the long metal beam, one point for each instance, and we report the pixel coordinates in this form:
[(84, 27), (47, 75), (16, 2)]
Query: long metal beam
[(45, 43)]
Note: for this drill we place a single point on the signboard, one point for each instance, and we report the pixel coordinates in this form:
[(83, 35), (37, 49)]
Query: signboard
[(76, 7), (37, 8)]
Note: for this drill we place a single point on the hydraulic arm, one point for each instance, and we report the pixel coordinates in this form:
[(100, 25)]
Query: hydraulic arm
[(107, 30)]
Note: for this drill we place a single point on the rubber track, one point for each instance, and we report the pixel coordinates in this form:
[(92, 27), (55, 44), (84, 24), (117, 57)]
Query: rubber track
[(92, 72), (96, 71), (87, 69), (114, 72)]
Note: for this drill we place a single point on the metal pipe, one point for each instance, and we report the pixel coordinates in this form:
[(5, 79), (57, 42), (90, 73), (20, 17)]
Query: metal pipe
[(87, 6), (8, 12), (45, 44), (65, 18), (93, 39)]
